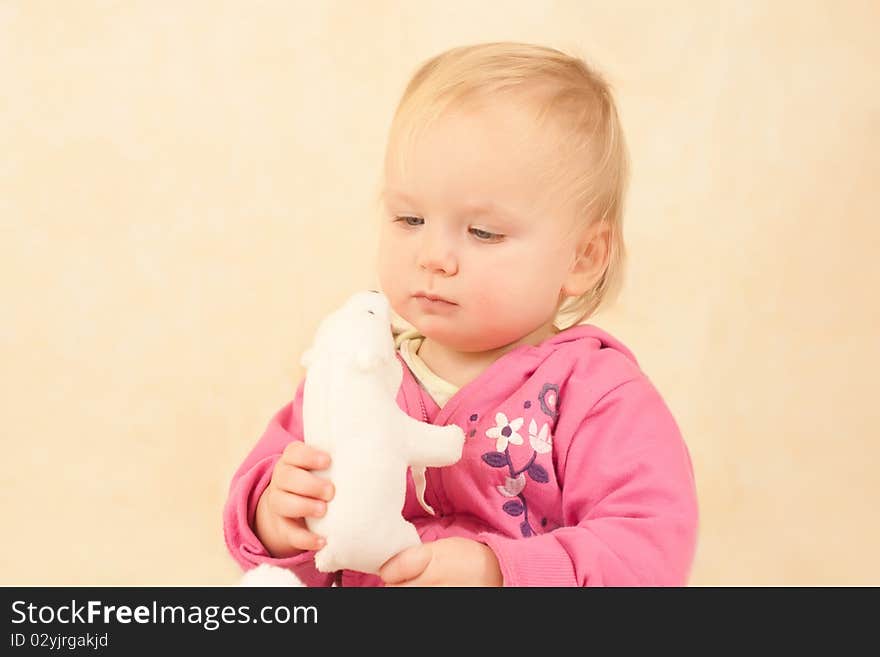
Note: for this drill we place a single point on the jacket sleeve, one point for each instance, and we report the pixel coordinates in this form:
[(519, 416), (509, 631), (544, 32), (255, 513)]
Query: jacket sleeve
[(629, 502), (248, 484)]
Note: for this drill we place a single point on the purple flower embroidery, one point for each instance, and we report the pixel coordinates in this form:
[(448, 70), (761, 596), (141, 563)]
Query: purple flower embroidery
[(515, 482), (505, 433), (549, 398)]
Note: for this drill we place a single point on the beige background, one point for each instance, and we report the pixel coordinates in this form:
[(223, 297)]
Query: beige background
[(186, 189)]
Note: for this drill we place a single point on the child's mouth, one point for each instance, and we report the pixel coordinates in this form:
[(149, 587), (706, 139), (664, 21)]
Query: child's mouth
[(432, 302)]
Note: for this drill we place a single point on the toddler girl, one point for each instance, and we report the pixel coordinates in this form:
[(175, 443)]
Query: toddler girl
[(501, 233)]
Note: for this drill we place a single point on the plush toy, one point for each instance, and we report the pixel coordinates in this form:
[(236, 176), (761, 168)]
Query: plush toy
[(350, 411)]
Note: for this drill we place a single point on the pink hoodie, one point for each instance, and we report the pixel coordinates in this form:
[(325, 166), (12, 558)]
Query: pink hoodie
[(582, 480)]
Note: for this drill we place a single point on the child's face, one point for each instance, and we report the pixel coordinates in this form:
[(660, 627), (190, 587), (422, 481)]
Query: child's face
[(470, 223)]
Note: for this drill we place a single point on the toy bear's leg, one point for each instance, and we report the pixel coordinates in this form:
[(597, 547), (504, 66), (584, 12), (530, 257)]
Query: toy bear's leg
[(326, 561), (268, 575), (368, 557), (396, 537), (401, 536)]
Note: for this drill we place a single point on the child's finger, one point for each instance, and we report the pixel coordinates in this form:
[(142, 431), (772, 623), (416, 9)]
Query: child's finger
[(302, 539), (305, 456), (405, 565), (302, 482), (291, 505)]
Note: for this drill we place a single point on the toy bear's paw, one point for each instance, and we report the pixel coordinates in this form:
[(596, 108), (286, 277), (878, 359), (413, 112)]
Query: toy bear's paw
[(325, 560), (268, 575)]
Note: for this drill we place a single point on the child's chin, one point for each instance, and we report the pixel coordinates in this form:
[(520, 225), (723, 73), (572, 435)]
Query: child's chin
[(447, 337), (431, 328)]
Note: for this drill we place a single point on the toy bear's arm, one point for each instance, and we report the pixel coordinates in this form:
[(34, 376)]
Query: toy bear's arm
[(427, 445)]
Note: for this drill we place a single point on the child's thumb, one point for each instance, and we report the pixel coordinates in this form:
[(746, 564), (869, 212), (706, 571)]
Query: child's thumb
[(405, 565)]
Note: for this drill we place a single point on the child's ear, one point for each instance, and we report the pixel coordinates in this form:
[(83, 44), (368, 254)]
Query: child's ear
[(591, 260)]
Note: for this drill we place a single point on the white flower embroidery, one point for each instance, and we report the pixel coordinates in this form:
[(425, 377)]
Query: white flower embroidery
[(542, 442), (505, 432), (512, 487)]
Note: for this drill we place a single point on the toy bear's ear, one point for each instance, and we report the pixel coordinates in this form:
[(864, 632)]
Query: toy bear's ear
[(368, 360), (307, 358)]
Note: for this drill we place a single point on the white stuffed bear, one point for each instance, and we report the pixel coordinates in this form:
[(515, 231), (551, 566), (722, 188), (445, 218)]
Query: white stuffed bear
[(350, 411)]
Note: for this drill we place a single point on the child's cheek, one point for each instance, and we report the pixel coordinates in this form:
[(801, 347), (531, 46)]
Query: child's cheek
[(485, 296)]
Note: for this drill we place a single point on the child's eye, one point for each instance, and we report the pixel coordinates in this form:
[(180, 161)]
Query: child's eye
[(411, 221), (485, 235)]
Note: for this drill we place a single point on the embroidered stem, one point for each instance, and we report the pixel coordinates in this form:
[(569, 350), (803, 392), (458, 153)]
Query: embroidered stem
[(528, 465), (522, 498)]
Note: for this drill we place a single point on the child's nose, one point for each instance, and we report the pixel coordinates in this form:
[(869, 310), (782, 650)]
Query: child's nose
[(437, 257)]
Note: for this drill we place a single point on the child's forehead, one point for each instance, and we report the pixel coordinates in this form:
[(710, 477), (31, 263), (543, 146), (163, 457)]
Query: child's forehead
[(482, 180), (476, 142), (496, 155)]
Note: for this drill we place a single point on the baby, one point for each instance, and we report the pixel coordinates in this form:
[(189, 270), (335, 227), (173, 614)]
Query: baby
[(501, 233)]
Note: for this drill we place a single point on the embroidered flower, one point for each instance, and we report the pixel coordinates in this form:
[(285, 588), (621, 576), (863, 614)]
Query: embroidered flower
[(512, 486), (505, 432), (541, 441), (549, 398)]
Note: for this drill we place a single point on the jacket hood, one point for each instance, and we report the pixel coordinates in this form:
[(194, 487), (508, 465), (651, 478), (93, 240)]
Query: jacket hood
[(505, 376), (595, 338)]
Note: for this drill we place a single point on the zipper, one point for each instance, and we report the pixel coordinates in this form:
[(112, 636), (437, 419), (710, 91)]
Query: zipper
[(437, 497), (422, 406)]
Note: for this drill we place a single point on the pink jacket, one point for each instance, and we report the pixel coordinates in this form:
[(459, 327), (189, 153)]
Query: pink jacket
[(573, 471)]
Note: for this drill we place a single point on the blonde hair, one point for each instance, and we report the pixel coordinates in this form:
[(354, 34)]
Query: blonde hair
[(569, 98)]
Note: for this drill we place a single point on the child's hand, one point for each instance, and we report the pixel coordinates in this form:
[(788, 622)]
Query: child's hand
[(292, 494), (447, 562)]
